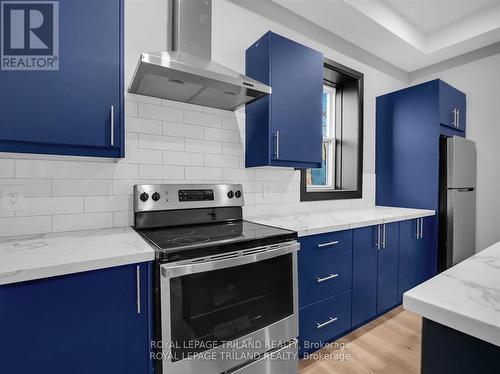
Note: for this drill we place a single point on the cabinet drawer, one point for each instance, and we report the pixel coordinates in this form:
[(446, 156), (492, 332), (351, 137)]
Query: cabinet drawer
[(324, 244), (324, 276), (323, 321)]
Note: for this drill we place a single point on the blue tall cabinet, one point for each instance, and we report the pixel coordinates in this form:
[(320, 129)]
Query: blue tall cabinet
[(410, 123), (78, 109), (92, 322), (284, 128)]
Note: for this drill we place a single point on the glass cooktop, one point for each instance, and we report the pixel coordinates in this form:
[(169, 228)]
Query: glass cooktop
[(232, 235)]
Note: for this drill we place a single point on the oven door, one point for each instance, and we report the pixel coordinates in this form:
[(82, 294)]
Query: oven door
[(224, 311)]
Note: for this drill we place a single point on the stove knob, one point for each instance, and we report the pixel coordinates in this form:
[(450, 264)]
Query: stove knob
[(144, 197), (156, 196), (230, 194), (238, 194)]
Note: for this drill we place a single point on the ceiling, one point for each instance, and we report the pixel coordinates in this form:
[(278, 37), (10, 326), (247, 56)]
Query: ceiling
[(410, 34)]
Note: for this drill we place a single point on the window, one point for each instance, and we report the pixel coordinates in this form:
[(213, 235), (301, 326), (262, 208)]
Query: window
[(323, 179), (340, 176)]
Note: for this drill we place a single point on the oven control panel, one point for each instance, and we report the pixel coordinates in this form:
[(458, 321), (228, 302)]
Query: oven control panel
[(150, 197)]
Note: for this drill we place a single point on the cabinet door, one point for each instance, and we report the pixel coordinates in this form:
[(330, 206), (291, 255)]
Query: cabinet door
[(426, 263), (407, 161), (296, 104), (387, 280), (452, 106), (364, 273), (59, 111), (80, 323), (407, 256)]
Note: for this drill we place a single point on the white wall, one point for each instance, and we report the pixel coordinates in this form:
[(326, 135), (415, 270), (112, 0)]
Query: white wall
[(480, 80), (169, 142)]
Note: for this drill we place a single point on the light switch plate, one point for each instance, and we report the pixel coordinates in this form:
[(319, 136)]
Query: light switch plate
[(13, 197)]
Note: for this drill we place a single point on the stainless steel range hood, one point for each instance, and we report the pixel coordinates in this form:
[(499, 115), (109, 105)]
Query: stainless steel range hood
[(186, 72)]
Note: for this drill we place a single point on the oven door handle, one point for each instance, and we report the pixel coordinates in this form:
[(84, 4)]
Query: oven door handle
[(169, 271)]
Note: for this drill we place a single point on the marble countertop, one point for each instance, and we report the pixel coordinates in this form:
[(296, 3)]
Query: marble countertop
[(465, 297), (340, 219), (31, 257)]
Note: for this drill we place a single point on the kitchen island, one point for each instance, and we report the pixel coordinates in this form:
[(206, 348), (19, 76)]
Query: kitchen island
[(461, 311)]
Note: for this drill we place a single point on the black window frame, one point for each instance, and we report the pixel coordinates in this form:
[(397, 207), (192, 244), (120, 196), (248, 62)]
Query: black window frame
[(346, 73)]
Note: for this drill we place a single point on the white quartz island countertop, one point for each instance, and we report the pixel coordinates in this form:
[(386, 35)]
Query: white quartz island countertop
[(32, 257), (465, 297), (319, 222)]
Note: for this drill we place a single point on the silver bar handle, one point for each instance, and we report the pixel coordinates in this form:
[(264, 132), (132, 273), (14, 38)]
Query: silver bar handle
[(329, 244), (384, 237), (277, 144), (112, 121), (321, 325), (421, 228), (417, 234), (378, 237), (454, 123), (331, 276), (458, 118), (138, 288)]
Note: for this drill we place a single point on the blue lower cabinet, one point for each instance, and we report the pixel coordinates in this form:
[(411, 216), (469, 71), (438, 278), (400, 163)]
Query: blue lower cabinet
[(387, 279), (323, 321), (407, 256), (81, 323), (324, 276), (364, 272), (426, 259), (324, 244)]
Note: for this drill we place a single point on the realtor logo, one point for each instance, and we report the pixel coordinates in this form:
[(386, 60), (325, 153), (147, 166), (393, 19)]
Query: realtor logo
[(29, 35)]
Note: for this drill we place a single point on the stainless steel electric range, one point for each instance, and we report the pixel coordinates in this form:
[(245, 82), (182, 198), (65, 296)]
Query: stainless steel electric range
[(225, 288)]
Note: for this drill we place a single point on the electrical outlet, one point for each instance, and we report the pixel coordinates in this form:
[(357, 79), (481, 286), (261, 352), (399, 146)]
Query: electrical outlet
[(13, 197)]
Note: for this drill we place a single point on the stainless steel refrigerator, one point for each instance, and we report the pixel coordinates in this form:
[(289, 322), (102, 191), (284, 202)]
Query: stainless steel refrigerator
[(457, 215)]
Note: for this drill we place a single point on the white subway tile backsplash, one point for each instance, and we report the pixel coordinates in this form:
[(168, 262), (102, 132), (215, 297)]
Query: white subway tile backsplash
[(32, 187), (269, 174), (161, 172), (203, 146), (183, 158), (167, 143), (203, 119), (160, 112), (7, 169), (81, 187), (143, 125), (48, 169), (222, 161), (97, 170), (213, 133), (233, 149), (131, 140), (87, 221), (180, 105), (239, 174), (12, 226), (38, 206), (95, 204), (130, 108), (182, 130), (143, 156), (121, 219), (193, 172)]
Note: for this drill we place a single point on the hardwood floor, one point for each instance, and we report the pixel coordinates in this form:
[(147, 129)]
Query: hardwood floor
[(388, 345)]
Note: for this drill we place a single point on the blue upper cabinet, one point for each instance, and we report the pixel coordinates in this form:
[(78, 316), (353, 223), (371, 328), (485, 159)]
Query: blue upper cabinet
[(452, 106), (76, 109), (284, 129), (92, 322)]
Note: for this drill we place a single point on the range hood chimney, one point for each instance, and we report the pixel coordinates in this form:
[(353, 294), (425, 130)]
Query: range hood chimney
[(186, 72)]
